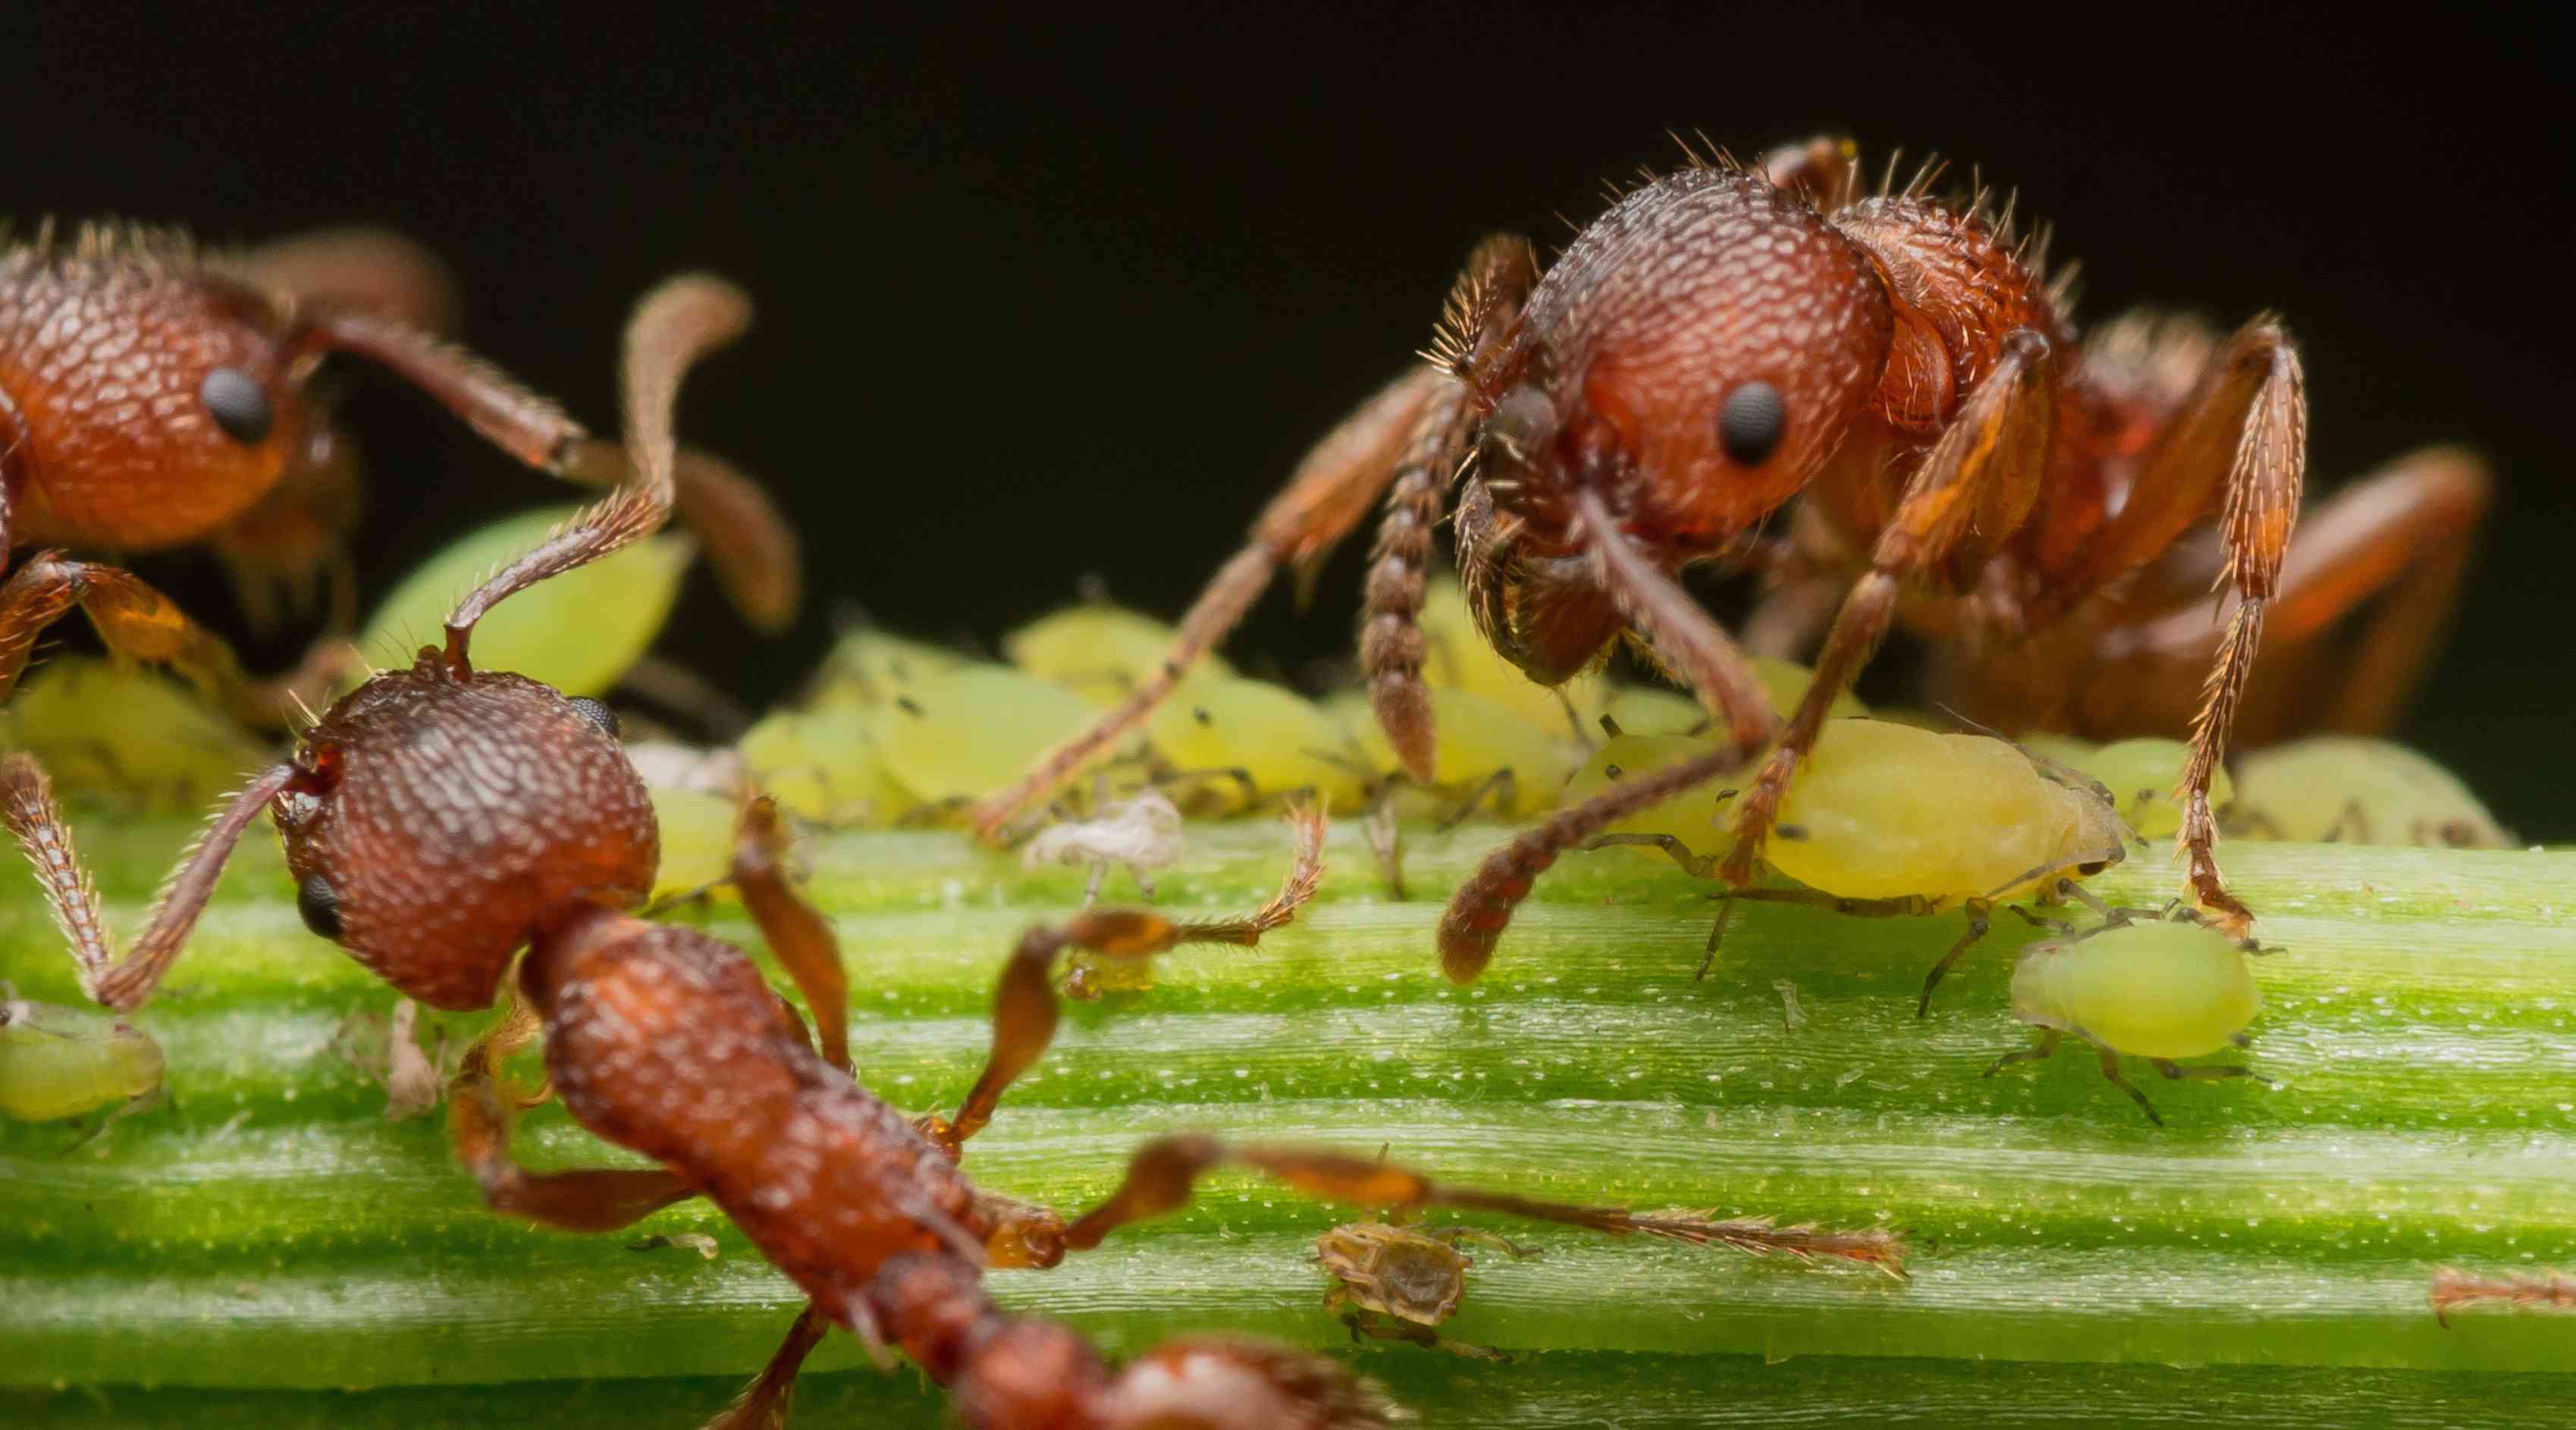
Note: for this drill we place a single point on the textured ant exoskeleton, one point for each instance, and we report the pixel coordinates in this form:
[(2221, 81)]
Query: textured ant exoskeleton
[(154, 396), (1728, 337), (441, 817)]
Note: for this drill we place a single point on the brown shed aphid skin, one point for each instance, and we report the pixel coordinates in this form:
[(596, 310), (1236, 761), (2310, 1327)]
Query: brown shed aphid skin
[(154, 396), (1383, 1272), (441, 817), (1728, 337), (2546, 1291)]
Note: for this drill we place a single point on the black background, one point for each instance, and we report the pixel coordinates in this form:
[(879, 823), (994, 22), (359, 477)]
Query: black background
[(1041, 299)]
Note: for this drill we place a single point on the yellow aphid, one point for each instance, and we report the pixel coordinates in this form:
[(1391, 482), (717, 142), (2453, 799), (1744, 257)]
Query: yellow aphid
[(963, 732), (2154, 989), (1280, 739), (1651, 710), (697, 839), (868, 667), (62, 1062), (1457, 657), (822, 765), (1098, 651), (1474, 739), (2140, 774), (1881, 810), (2358, 791), (578, 632), (131, 735), (1695, 815)]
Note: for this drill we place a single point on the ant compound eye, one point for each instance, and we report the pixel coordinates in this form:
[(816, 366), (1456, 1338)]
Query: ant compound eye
[(238, 405), (2089, 870), (599, 715), (319, 903), (1751, 423)]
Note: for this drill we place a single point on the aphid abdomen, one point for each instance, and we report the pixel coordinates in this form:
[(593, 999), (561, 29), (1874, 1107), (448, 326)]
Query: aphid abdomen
[(104, 361), (666, 1040), (1882, 810), (60, 1062)]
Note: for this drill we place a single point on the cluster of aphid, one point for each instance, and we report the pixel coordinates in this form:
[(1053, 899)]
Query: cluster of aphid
[(1725, 339)]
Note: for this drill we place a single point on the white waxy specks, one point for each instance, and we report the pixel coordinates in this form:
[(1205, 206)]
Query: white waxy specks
[(1143, 833)]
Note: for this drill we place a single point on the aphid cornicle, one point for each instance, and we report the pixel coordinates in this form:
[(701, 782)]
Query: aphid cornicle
[(1727, 337), (153, 395), (2152, 988), (442, 818), (1889, 820)]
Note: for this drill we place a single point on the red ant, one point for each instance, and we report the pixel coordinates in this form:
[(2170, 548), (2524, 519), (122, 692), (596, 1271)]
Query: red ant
[(441, 817), (153, 396), (1725, 338)]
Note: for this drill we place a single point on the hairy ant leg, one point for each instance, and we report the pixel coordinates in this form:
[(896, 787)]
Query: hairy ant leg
[(138, 622), (797, 934), (1162, 1174), (481, 1109), (1985, 470), (1026, 1006), (1328, 494), (1482, 305)]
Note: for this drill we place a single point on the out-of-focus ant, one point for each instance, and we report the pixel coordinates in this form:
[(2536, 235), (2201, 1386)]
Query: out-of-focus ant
[(153, 395), (1727, 337), (440, 818)]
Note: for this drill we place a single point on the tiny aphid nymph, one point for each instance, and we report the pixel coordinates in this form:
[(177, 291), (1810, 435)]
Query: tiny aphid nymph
[(2154, 989)]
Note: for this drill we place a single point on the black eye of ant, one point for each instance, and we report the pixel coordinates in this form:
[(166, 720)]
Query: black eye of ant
[(1751, 423), (2096, 867), (234, 399), (319, 903), (599, 715)]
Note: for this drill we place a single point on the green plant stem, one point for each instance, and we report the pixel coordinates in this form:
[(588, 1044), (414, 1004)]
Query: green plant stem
[(270, 1233)]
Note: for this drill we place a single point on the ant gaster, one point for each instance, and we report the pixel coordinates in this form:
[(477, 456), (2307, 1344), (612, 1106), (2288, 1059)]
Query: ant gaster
[(441, 817), (1725, 338), (154, 396)]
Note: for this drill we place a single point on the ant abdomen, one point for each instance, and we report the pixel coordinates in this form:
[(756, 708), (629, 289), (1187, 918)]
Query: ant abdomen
[(439, 819)]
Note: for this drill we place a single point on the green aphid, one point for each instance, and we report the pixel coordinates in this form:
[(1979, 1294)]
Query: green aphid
[(63, 1062)]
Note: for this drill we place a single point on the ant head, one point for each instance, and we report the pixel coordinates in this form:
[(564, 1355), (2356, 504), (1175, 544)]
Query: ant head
[(207, 410), (438, 820), (1705, 344)]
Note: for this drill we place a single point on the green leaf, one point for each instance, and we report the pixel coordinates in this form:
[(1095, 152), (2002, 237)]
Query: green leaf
[(269, 1239)]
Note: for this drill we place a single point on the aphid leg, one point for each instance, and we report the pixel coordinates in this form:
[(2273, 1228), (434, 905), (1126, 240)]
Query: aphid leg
[(1162, 1173), (1990, 460), (1456, 1234), (2178, 1073), (480, 1110), (799, 936), (1977, 909), (2040, 1051), (2058, 926), (1698, 866), (27, 803), (1386, 840), (1328, 494), (1369, 1324), (763, 1404), (1025, 1007), (2111, 1070), (1500, 787), (138, 622), (675, 324)]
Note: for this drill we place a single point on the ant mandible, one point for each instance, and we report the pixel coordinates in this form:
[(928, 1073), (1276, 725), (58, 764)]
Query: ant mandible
[(1726, 337), (153, 395), (440, 818)]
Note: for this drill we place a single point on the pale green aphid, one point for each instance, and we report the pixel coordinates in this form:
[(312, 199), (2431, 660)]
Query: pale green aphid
[(964, 732), (867, 667), (132, 735), (697, 839), (2140, 774), (1475, 739), (62, 1062), (2358, 791), (822, 765), (1097, 650), (579, 631), (1276, 738), (2151, 989), (1693, 815)]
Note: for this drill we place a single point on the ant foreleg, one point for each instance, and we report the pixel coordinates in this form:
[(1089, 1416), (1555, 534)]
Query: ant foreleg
[(1025, 1002), (1992, 457), (138, 622), (764, 1403), (480, 1111), (1328, 494), (1162, 1174), (800, 937)]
